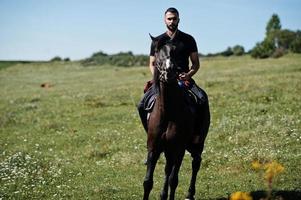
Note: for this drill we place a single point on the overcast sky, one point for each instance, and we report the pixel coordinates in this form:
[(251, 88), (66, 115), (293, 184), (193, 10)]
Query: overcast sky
[(41, 29)]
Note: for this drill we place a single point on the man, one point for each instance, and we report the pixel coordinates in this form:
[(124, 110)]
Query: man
[(186, 49)]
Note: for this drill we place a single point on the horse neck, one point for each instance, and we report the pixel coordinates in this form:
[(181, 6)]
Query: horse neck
[(169, 97)]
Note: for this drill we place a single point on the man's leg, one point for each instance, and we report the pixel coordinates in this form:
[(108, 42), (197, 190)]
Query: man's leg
[(148, 97), (202, 114), (142, 113)]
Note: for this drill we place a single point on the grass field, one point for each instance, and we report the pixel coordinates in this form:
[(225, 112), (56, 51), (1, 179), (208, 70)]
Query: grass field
[(80, 137)]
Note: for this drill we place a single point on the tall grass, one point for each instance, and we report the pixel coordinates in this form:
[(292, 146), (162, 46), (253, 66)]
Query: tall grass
[(81, 137)]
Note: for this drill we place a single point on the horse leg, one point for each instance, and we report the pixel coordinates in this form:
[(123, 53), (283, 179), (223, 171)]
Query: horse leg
[(148, 180), (168, 168), (197, 149), (174, 176), (196, 164)]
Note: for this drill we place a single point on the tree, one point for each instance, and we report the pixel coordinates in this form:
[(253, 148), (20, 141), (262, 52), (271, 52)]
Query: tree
[(56, 58), (273, 25), (99, 54), (227, 52), (238, 50), (295, 46), (263, 49), (277, 42), (267, 47), (285, 38)]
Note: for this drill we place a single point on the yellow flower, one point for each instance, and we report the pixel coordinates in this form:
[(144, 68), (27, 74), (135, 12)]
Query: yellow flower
[(256, 165), (241, 196), (272, 169)]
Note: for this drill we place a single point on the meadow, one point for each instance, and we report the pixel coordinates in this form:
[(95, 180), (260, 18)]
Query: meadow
[(80, 137)]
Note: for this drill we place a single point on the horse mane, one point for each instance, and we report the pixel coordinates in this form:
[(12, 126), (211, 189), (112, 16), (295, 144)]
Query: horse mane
[(158, 44), (156, 79)]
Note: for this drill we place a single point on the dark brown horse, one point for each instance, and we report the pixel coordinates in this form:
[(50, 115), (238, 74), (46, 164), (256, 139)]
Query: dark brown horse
[(171, 126)]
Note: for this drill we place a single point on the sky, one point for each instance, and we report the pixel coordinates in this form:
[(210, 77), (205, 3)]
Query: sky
[(43, 29)]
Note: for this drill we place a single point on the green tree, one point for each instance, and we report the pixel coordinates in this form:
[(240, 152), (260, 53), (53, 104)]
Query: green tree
[(285, 38), (295, 46), (263, 49), (56, 59), (272, 29), (99, 54), (227, 52), (267, 47), (273, 25), (238, 50)]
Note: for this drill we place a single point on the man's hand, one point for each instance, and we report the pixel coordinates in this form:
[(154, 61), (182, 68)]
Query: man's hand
[(184, 76)]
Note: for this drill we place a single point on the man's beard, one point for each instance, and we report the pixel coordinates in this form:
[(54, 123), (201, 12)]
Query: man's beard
[(172, 27)]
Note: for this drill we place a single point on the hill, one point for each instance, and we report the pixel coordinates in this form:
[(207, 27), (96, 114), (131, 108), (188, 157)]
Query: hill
[(80, 137)]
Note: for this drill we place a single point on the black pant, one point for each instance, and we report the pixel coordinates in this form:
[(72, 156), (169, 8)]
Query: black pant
[(148, 96)]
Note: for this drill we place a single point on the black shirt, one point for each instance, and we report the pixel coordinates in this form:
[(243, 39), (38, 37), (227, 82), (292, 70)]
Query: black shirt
[(185, 44)]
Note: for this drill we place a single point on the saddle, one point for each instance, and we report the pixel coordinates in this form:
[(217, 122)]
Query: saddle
[(194, 96)]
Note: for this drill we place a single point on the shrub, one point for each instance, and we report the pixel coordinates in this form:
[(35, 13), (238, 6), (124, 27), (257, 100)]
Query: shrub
[(238, 50), (264, 49), (278, 52), (227, 52), (295, 46), (66, 59), (125, 59), (55, 59)]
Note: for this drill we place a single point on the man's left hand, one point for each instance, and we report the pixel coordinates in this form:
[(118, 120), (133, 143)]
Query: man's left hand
[(184, 77)]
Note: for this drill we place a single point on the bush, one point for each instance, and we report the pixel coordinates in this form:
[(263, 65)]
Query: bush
[(227, 52), (125, 59), (238, 50), (56, 59), (279, 52), (285, 38), (295, 46), (264, 49)]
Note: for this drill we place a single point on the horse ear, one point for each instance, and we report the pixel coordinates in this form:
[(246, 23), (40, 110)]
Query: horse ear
[(153, 38)]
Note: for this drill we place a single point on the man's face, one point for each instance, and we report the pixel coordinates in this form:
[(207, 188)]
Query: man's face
[(171, 21)]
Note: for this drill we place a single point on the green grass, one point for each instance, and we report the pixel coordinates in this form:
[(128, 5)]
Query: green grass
[(82, 138)]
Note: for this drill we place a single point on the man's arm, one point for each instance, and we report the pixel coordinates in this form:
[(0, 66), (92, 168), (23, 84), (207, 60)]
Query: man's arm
[(152, 64), (194, 58)]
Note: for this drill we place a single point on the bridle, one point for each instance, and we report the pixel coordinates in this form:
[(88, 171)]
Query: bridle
[(165, 66)]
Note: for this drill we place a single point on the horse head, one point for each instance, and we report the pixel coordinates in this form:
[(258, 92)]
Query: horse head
[(167, 70)]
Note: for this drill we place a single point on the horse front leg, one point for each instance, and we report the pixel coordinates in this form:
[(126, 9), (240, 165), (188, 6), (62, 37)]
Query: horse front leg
[(152, 158), (196, 164), (174, 175), (168, 169)]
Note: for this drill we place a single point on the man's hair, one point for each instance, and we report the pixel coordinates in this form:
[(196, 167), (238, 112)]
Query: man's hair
[(172, 10)]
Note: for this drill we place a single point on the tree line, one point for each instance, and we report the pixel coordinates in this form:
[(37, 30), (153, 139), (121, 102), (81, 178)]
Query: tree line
[(276, 43), (125, 59)]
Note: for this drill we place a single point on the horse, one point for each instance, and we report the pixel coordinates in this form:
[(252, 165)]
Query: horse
[(171, 125)]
